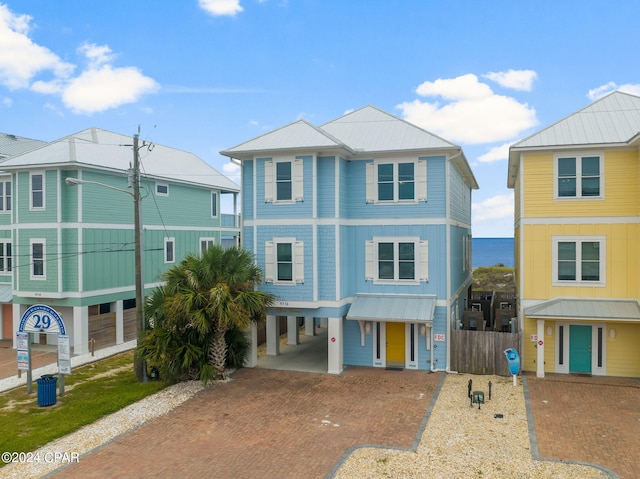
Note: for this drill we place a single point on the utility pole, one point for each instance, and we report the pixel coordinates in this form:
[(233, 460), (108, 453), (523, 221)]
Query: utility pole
[(139, 365)]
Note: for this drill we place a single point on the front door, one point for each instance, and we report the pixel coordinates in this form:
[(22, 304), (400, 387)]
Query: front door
[(395, 344), (579, 349)]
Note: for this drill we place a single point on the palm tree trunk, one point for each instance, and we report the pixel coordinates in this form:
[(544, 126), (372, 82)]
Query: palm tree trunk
[(218, 353)]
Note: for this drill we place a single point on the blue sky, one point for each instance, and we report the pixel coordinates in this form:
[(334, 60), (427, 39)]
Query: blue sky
[(206, 75)]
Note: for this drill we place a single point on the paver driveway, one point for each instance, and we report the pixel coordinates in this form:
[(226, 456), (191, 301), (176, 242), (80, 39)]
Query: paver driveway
[(270, 424)]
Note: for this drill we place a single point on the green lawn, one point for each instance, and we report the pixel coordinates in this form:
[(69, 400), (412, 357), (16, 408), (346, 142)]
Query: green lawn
[(91, 391)]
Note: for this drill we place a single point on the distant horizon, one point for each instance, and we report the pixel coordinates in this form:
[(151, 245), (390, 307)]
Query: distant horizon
[(493, 237)]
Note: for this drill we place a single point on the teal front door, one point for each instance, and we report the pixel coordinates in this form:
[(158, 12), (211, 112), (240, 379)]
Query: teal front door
[(579, 349)]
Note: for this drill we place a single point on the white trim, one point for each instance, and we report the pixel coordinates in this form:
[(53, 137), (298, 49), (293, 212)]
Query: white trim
[(169, 241), (395, 162), (32, 276), (3, 196), (380, 221), (44, 189), (159, 184), (279, 304), (4, 271), (209, 240), (580, 220), (79, 295), (578, 240), (372, 252), (216, 195)]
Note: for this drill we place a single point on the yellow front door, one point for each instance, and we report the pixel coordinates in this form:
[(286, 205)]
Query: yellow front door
[(395, 344)]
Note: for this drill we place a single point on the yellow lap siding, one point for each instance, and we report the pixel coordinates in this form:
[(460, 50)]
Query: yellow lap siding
[(623, 351)]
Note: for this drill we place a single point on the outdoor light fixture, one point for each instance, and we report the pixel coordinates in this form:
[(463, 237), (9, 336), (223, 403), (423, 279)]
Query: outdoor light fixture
[(612, 333), (367, 327), (423, 330), (549, 330)]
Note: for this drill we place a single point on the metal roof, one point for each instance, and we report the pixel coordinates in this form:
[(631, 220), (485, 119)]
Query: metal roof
[(11, 145), (411, 308), (96, 148), (297, 135), (371, 129), (587, 309), (6, 293)]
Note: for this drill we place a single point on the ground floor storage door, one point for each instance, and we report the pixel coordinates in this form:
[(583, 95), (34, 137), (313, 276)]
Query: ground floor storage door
[(579, 349), (395, 344)]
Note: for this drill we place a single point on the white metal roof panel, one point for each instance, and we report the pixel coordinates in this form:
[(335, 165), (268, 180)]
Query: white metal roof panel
[(296, 135), (371, 129), (613, 119), (11, 145), (393, 307), (587, 309), (107, 150)]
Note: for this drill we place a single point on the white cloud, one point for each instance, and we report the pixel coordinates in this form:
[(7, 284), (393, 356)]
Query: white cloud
[(495, 208), (97, 55), (106, 87), (21, 59), (516, 79), (6, 101), (221, 7), (473, 112), (607, 88), (496, 153)]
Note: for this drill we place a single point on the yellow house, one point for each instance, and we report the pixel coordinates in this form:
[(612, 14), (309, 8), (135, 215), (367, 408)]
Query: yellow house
[(577, 241)]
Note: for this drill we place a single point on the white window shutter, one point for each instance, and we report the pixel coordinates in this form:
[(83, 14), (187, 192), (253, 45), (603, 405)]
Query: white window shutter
[(424, 261), (299, 262), (369, 261), (370, 195), (298, 179), (269, 262), (421, 180), (268, 181)]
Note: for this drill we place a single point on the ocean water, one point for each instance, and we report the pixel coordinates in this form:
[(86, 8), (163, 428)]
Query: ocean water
[(492, 251)]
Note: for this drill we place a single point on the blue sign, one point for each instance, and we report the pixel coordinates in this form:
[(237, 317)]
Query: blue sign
[(41, 319)]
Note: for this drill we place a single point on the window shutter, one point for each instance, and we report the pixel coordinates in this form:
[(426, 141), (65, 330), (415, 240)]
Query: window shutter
[(299, 262), (369, 261), (268, 181), (370, 195), (269, 266), (298, 180), (421, 180), (424, 261)]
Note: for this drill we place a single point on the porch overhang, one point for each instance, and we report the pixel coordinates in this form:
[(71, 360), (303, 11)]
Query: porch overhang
[(6, 293), (402, 308), (581, 309)]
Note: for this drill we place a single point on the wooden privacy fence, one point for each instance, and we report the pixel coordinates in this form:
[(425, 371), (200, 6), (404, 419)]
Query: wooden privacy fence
[(482, 352)]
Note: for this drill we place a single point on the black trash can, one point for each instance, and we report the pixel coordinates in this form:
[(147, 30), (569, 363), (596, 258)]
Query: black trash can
[(47, 390)]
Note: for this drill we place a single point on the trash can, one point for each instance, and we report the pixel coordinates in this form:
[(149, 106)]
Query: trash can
[(47, 390)]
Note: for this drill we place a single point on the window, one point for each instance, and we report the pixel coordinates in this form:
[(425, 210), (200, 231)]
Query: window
[(37, 190), (162, 189), (284, 180), (205, 243), (284, 259), (579, 260), (6, 261), (579, 176), (5, 196), (214, 205), (396, 181), (38, 270), (169, 245), (396, 260)]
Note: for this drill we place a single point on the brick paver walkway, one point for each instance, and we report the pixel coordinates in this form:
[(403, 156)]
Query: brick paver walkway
[(588, 419), (270, 424)]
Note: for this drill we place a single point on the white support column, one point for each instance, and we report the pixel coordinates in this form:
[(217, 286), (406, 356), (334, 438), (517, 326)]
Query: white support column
[(335, 340), (118, 307), (293, 333), (323, 322), (540, 350), (252, 335), (273, 335), (80, 329), (309, 326)]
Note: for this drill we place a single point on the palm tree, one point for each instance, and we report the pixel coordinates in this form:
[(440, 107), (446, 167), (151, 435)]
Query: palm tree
[(213, 293)]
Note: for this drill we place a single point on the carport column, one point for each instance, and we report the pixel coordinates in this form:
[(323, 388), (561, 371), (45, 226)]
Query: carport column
[(540, 350), (251, 361), (80, 329), (309, 326), (119, 309), (273, 335), (335, 345), (293, 334)]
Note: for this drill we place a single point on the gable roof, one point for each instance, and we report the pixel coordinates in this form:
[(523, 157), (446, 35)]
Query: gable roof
[(106, 150), (613, 120), (367, 130), (11, 145), (294, 136)]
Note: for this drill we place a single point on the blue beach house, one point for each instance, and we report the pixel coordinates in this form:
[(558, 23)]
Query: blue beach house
[(362, 225)]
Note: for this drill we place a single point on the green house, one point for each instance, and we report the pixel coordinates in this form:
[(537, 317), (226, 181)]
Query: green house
[(67, 231)]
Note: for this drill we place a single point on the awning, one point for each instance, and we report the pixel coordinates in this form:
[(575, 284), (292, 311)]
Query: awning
[(586, 309), (6, 293), (408, 308)]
